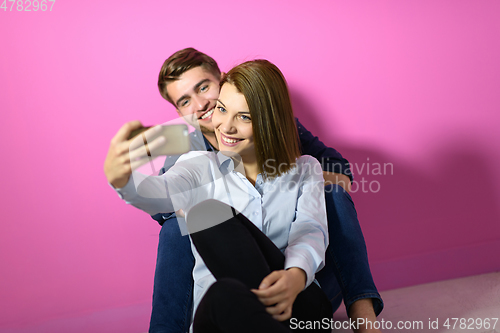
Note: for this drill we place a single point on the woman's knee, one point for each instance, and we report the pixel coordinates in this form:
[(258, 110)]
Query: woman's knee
[(227, 295), (207, 214), (225, 287)]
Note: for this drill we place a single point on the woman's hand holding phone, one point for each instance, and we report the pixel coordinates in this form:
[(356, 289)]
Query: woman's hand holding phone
[(135, 145), (126, 155)]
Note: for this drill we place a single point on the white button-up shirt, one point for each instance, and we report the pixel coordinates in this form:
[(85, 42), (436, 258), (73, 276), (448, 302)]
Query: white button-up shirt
[(289, 209)]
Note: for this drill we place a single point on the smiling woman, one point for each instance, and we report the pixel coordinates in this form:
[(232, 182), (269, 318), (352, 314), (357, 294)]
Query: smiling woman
[(257, 248), (233, 125), (274, 130)]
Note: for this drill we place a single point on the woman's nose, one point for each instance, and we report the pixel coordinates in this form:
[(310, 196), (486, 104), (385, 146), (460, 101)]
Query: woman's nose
[(228, 126)]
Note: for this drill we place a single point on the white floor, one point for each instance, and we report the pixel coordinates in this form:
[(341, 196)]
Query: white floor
[(475, 299), (474, 302)]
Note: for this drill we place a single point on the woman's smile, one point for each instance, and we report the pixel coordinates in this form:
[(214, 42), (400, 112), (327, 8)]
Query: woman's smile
[(229, 141)]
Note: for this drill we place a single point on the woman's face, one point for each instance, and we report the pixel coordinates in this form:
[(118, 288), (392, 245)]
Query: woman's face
[(232, 122)]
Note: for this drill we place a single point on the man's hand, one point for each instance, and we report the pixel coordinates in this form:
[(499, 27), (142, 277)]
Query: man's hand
[(127, 155), (337, 178), (278, 291)]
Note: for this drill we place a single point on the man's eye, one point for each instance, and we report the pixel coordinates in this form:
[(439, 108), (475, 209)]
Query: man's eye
[(221, 109), (184, 103), (204, 88)]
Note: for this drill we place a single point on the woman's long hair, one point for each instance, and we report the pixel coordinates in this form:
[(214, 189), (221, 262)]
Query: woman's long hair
[(274, 128)]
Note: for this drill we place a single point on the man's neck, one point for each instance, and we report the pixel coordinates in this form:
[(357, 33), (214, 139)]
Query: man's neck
[(211, 139)]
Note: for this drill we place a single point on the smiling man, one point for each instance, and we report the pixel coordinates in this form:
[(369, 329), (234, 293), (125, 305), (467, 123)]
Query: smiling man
[(192, 88), (190, 80)]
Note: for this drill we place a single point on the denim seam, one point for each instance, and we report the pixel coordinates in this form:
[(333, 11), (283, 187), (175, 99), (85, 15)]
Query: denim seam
[(377, 296), (339, 270), (334, 297), (187, 319), (341, 281)]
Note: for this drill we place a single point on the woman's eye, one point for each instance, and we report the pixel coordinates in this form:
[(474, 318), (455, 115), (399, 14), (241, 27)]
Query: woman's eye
[(221, 109), (245, 118)]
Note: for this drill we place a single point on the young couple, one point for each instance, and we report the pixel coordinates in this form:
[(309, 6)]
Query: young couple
[(263, 258)]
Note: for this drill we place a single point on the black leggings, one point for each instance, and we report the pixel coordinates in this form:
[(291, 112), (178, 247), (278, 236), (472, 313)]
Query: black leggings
[(239, 256)]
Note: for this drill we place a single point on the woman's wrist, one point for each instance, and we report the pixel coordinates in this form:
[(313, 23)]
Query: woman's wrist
[(299, 275)]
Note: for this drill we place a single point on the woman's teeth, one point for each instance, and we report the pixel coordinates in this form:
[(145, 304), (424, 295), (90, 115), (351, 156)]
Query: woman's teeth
[(208, 114), (229, 140)]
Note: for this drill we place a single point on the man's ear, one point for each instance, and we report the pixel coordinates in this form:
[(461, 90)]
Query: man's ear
[(222, 75)]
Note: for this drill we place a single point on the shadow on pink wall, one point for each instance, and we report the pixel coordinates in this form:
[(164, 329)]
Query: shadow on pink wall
[(421, 226)]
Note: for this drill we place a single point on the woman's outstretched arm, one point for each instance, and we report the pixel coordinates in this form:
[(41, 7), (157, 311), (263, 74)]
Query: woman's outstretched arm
[(176, 189)]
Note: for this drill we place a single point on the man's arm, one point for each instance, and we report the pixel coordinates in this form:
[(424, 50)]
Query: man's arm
[(337, 178), (336, 169)]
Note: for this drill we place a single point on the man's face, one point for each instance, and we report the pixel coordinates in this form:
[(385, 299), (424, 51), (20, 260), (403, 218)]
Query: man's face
[(195, 93)]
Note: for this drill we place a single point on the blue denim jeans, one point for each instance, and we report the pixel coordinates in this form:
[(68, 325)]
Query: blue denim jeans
[(173, 282), (346, 274)]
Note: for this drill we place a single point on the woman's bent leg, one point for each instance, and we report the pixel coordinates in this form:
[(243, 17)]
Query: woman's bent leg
[(229, 306), (238, 250), (312, 311), (235, 248)]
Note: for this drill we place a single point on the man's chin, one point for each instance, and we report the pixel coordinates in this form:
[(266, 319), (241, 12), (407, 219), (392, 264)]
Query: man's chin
[(206, 130)]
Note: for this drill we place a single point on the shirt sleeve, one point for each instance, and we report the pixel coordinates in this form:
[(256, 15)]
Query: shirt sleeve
[(308, 238), (168, 192), (197, 143), (169, 162), (330, 159)]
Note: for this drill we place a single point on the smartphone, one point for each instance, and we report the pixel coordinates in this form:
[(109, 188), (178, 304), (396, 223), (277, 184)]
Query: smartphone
[(176, 139)]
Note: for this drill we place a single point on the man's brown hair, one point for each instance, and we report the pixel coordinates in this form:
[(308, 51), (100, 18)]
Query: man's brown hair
[(180, 62), (274, 128)]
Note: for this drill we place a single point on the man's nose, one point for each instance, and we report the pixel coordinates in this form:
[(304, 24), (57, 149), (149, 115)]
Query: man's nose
[(201, 103)]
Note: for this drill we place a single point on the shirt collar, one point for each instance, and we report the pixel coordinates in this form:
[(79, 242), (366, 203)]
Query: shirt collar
[(228, 163), (208, 145)]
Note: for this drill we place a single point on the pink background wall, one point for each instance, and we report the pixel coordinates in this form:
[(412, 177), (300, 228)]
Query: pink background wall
[(415, 84)]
